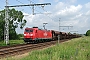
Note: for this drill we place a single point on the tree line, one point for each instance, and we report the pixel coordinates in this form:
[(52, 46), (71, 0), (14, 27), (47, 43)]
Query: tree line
[(88, 33), (15, 21)]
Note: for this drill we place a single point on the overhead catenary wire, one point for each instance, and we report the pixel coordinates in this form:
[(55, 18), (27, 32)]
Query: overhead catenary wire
[(41, 12), (19, 1), (31, 1), (34, 8), (30, 7), (23, 3)]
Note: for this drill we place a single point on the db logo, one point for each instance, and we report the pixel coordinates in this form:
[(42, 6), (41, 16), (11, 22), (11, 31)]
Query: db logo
[(45, 34)]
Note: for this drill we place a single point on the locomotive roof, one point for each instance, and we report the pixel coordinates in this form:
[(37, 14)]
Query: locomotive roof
[(28, 28)]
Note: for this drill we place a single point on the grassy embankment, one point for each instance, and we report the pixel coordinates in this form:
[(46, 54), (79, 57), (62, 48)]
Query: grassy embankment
[(75, 49), (12, 42)]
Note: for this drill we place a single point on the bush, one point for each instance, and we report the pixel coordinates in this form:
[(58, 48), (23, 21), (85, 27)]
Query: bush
[(20, 36), (88, 33)]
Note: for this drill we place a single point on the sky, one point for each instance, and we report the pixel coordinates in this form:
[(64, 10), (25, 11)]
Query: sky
[(74, 13)]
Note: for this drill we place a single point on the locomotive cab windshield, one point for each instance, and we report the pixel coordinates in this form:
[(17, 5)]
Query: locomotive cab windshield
[(28, 30), (28, 34)]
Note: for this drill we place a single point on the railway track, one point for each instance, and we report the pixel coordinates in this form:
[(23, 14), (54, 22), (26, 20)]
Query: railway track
[(20, 49)]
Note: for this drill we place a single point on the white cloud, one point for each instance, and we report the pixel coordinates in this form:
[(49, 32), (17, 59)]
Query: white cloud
[(87, 5), (28, 17), (56, 0), (88, 12), (59, 6), (71, 10), (41, 0), (70, 1)]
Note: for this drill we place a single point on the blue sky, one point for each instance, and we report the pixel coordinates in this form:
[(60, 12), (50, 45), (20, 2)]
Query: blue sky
[(74, 13)]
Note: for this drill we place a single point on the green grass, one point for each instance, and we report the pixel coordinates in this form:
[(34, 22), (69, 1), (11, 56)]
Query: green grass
[(75, 49), (12, 42)]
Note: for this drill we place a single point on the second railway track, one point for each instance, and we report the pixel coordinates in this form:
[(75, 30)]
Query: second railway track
[(19, 49)]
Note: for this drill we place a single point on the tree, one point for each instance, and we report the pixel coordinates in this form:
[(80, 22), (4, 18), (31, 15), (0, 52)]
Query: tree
[(15, 20), (1, 29), (88, 33)]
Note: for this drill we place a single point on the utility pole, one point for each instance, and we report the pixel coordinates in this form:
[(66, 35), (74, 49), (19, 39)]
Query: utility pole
[(59, 31), (6, 30)]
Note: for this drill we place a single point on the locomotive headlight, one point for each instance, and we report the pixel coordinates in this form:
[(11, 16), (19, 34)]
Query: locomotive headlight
[(24, 34), (31, 34)]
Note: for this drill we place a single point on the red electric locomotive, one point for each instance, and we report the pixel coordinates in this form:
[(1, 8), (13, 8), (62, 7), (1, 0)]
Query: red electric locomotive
[(36, 34)]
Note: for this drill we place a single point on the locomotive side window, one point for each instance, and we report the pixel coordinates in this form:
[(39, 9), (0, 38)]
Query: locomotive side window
[(29, 30)]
